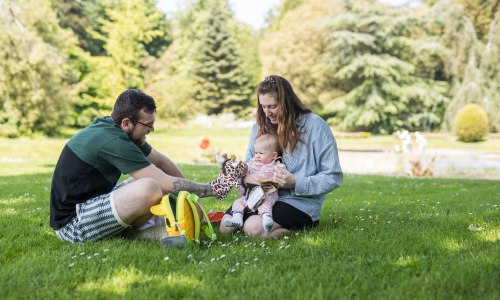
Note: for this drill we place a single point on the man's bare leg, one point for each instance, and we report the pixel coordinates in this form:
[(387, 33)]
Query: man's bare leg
[(132, 179), (134, 200)]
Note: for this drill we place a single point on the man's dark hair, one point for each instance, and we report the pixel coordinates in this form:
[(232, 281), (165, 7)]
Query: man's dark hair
[(129, 105)]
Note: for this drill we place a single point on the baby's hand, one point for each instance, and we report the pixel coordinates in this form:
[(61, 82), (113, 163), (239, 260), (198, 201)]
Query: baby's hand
[(240, 189)]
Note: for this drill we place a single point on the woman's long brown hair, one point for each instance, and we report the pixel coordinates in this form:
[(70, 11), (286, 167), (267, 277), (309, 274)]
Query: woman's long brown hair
[(289, 108)]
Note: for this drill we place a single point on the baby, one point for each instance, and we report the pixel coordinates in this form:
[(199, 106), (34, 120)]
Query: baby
[(263, 165)]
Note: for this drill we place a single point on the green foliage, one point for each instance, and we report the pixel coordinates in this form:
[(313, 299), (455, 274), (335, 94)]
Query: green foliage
[(94, 10), (480, 12), (249, 51), (71, 14), (490, 69), (124, 33), (217, 66), (177, 79), (471, 123), (295, 51), (471, 66), (187, 24), (130, 25), (158, 22), (174, 94), (381, 58), (35, 82), (274, 16), (84, 16), (360, 65), (90, 75)]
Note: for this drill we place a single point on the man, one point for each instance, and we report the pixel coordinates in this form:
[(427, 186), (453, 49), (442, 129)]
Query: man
[(85, 202)]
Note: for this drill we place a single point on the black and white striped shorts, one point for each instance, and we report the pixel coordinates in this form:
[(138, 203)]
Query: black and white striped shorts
[(96, 219)]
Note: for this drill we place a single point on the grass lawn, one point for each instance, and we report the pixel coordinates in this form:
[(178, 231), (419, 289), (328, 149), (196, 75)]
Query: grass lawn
[(394, 240)]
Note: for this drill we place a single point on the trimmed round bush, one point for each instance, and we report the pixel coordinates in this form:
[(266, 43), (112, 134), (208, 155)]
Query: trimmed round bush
[(471, 123)]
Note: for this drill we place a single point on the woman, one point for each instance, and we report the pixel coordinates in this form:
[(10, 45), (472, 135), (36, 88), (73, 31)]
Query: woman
[(310, 156)]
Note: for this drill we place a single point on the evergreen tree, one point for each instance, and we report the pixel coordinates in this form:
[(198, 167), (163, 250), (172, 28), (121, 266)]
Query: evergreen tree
[(71, 15), (223, 85), (388, 68), (35, 88), (168, 78), (187, 24), (471, 66)]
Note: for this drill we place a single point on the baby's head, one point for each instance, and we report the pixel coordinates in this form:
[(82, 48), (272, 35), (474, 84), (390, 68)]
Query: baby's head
[(266, 148)]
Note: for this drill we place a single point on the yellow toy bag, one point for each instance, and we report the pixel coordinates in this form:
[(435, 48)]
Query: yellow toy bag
[(184, 227)]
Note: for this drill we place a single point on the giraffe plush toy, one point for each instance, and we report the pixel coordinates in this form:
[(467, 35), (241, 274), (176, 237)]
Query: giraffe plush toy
[(232, 170)]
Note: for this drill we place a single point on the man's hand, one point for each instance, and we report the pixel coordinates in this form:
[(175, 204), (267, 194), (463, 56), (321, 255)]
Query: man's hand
[(284, 178)]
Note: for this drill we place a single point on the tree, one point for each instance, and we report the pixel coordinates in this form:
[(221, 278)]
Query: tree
[(173, 92), (71, 15), (491, 73), (129, 27), (472, 67), (388, 67), (480, 12), (159, 43), (223, 85), (83, 17), (249, 49), (274, 16), (35, 84), (295, 51)]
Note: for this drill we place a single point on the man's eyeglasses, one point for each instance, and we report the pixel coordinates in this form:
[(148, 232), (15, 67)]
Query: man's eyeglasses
[(150, 125)]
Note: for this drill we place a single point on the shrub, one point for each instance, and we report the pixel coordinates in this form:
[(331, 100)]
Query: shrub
[(471, 123)]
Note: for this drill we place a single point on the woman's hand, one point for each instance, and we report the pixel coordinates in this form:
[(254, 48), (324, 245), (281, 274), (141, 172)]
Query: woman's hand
[(251, 179), (285, 179)]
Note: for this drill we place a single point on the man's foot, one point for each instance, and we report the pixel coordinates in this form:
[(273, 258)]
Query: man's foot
[(149, 223), (235, 221), (267, 222), (160, 221), (151, 233)]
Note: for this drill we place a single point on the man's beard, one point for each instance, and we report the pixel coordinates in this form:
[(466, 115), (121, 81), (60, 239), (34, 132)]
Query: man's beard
[(138, 142)]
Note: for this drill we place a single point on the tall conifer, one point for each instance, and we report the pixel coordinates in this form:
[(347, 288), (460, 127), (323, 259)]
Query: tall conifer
[(388, 67), (223, 84)]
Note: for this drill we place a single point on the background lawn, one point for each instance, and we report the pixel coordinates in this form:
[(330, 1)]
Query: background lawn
[(394, 239)]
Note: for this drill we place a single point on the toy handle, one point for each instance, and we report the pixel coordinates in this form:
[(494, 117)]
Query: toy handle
[(169, 215), (209, 231)]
